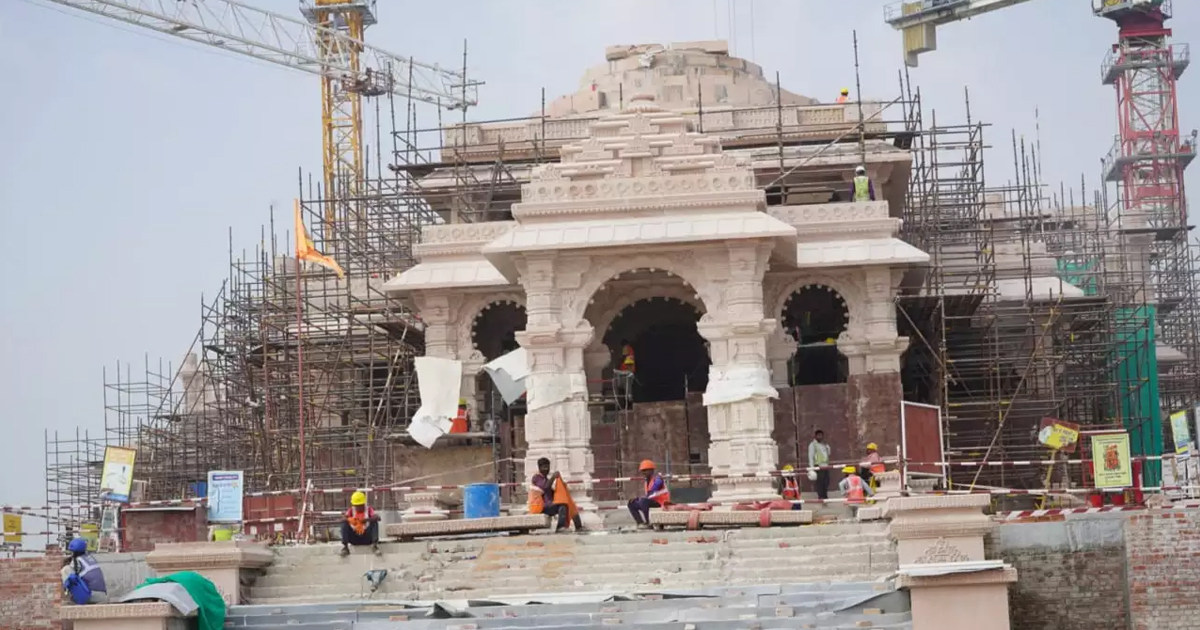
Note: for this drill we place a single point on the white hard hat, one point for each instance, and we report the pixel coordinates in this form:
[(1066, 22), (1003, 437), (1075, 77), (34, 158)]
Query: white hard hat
[(860, 169)]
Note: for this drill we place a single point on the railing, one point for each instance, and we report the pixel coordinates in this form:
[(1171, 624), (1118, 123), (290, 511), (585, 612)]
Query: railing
[(1180, 56)]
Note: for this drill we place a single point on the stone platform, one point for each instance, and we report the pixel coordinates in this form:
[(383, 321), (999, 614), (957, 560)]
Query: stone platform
[(521, 523), (729, 519), (143, 616)]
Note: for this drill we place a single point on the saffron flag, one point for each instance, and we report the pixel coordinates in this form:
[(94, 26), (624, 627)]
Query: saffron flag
[(306, 250)]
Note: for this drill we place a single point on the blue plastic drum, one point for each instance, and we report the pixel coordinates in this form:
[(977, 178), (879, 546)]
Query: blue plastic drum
[(481, 500)]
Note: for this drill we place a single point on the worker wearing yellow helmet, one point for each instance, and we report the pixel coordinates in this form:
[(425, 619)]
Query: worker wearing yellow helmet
[(844, 97), (789, 486), (853, 488), (871, 465), (360, 527)]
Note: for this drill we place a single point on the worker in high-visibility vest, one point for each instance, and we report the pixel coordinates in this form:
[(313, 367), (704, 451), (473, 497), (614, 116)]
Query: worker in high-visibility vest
[(623, 376), (789, 486), (853, 488), (844, 97), (863, 188), (657, 494), (628, 364), (460, 423), (873, 465)]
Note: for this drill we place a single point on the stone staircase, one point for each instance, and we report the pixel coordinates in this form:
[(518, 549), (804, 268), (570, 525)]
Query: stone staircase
[(567, 563), (842, 606)]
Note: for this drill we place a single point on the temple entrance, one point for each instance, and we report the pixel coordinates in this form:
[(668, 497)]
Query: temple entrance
[(494, 332), (670, 353), (814, 316)]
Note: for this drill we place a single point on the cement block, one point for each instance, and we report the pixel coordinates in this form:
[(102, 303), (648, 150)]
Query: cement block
[(524, 522)]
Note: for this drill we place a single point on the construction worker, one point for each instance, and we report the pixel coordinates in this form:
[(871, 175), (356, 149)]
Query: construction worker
[(863, 188), (623, 376), (844, 97), (360, 526), (853, 488), (789, 487), (657, 494), (81, 576), (556, 500), (818, 458), (459, 424), (874, 464)]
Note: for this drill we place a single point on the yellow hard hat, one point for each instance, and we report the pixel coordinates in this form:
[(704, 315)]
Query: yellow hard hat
[(872, 447), (462, 402), (788, 468), (849, 469), (358, 498), (845, 90)]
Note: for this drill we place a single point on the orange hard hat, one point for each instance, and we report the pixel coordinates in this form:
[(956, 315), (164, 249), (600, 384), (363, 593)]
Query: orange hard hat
[(646, 465)]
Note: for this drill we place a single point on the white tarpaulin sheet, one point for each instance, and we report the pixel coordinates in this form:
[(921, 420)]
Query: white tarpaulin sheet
[(737, 384), (440, 383), (548, 389), (508, 373)]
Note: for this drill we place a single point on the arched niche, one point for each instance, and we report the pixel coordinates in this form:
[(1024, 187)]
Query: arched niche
[(813, 318)]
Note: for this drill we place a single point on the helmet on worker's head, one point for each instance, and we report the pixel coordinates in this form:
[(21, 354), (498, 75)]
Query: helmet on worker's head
[(860, 169), (358, 498), (462, 402), (872, 447), (77, 545), (788, 468), (645, 465), (845, 91), (849, 469)]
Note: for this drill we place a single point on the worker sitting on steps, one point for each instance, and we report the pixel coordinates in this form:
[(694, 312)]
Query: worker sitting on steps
[(361, 525), (81, 576), (844, 97), (549, 496), (874, 465), (657, 495), (789, 487), (863, 188), (853, 488)]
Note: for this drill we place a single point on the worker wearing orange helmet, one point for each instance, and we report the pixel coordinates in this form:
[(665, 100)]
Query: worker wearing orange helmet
[(657, 494), (360, 527), (844, 96)]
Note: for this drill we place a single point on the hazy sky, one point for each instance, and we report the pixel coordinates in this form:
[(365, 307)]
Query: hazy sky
[(129, 156)]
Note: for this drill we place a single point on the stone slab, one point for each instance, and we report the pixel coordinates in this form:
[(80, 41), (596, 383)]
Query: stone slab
[(144, 616), (731, 519), (524, 522)]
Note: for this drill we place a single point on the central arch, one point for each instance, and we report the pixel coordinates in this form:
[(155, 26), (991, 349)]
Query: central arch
[(671, 355)]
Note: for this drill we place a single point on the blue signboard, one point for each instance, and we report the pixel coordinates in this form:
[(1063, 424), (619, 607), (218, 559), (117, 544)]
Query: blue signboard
[(225, 491)]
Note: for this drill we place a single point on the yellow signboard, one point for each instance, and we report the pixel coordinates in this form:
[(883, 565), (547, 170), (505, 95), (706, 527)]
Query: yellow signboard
[(12, 528), (1179, 430), (1110, 458), (116, 480), (1058, 436)]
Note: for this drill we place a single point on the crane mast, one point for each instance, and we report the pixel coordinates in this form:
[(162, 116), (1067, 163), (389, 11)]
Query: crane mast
[(330, 44)]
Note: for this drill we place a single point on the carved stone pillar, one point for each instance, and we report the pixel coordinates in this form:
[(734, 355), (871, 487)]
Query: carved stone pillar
[(876, 348), (780, 350), (557, 423), (469, 391), (440, 312), (739, 393), (595, 359)]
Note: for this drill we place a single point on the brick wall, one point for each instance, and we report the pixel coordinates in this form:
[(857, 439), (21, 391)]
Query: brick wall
[(30, 593), (1071, 574), (1163, 554), (145, 528)]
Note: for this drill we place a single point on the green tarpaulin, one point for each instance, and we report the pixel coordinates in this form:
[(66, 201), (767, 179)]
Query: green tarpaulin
[(211, 615)]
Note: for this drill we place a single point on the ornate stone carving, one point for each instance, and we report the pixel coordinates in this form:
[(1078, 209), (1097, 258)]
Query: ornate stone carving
[(941, 551)]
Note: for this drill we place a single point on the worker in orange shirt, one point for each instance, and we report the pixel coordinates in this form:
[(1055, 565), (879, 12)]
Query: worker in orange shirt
[(623, 376), (844, 97), (460, 423), (853, 488), (874, 465), (360, 526), (657, 494), (789, 487)]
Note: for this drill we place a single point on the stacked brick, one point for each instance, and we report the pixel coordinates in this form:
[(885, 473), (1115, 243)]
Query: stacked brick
[(1163, 555), (30, 593)]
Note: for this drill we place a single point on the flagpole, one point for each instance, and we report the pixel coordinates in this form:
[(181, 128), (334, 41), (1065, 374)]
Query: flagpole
[(300, 346)]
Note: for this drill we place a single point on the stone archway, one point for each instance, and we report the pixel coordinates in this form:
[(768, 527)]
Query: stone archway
[(813, 318)]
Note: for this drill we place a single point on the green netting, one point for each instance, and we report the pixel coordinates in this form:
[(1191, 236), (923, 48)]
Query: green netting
[(1079, 273), (1136, 375)]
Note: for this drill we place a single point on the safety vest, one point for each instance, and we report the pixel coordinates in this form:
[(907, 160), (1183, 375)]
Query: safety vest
[(89, 572), (862, 188), (843, 99), (662, 496), (791, 489), (459, 424), (855, 494), (627, 363)]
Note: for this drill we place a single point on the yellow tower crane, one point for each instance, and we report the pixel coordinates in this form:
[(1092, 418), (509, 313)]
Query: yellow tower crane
[(330, 44)]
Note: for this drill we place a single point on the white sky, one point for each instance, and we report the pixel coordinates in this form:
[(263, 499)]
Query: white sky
[(128, 157)]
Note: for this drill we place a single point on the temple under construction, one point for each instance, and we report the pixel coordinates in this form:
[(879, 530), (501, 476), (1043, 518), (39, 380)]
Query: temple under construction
[(1016, 301)]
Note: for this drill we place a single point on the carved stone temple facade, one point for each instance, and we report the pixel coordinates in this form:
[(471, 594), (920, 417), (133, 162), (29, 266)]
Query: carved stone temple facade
[(647, 207)]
